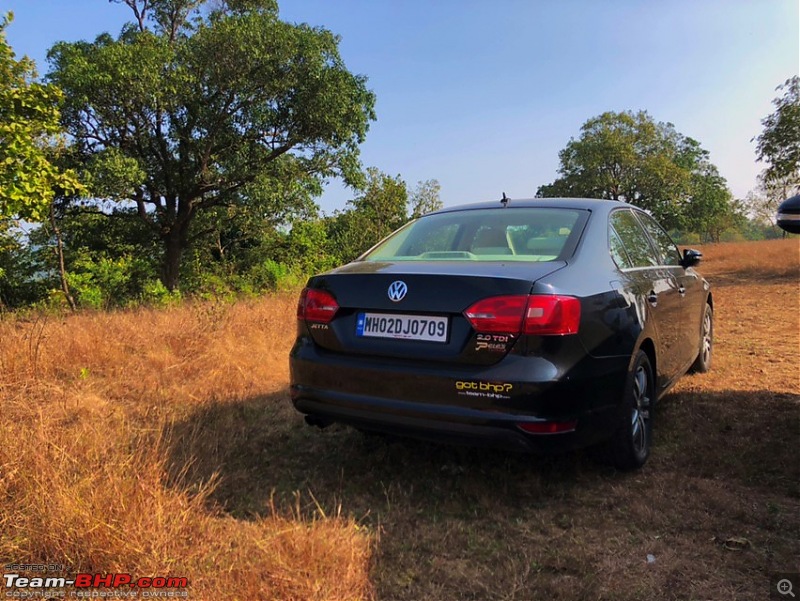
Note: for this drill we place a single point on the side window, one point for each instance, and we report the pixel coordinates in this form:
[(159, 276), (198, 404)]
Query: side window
[(618, 253), (634, 240), (666, 247)]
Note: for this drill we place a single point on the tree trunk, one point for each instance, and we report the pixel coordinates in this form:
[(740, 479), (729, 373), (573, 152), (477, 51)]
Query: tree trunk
[(174, 243), (59, 250)]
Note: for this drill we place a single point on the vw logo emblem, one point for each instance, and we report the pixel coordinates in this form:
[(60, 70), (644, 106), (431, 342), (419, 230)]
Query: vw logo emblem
[(397, 291)]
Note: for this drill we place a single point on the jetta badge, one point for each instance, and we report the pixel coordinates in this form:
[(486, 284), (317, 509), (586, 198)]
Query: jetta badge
[(397, 291)]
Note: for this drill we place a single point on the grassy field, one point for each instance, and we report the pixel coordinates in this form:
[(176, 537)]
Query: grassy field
[(164, 443)]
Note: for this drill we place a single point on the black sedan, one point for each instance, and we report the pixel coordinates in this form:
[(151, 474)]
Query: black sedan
[(546, 324)]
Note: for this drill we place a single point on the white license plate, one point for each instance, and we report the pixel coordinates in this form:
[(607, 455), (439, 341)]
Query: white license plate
[(405, 327)]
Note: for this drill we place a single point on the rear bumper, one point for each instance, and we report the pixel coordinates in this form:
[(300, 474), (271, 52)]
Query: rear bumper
[(458, 427), (461, 404)]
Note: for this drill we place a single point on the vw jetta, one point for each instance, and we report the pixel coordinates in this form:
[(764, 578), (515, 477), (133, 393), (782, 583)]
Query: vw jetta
[(538, 325)]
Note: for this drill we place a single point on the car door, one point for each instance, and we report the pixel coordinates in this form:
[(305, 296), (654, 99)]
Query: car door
[(656, 290), (690, 289)]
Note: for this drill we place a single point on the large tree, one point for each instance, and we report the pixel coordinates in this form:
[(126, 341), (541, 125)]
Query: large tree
[(29, 139), (779, 143), (779, 147), (197, 106), (630, 157)]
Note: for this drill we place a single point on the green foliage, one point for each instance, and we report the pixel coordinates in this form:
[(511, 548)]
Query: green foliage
[(210, 108), (629, 156), (779, 147), (681, 237), (308, 248), (96, 245), (761, 205), (375, 213), (113, 175), (425, 198), (265, 276), (742, 228), (156, 294), (269, 276), (20, 284), (754, 230), (87, 293), (103, 282), (779, 142), (711, 210), (29, 138), (118, 234)]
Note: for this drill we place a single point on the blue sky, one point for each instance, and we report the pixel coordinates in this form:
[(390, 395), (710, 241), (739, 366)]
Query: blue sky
[(481, 95)]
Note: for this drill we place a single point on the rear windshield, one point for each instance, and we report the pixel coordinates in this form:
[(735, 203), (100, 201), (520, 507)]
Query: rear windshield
[(512, 234)]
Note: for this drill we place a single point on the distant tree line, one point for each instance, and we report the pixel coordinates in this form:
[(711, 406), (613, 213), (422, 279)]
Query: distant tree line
[(630, 157), (184, 157)]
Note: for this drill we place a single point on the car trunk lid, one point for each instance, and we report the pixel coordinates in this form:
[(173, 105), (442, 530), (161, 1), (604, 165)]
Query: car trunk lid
[(424, 293)]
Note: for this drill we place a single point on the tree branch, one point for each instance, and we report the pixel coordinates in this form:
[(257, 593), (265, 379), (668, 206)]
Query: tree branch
[(143, 214), (140, 14)]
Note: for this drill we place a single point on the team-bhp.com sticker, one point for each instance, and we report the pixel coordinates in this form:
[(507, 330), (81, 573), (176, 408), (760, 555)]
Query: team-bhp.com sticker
[(492, 390), (122, 585)]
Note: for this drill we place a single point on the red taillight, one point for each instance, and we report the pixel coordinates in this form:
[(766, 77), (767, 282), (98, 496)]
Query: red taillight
[(547, 427), (552, 315), (316, 305), (534, 314), (498, 314)]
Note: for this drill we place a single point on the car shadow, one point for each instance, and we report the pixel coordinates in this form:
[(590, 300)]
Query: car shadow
[(259, 450), (475, 523), (260, 453), (744, 436)]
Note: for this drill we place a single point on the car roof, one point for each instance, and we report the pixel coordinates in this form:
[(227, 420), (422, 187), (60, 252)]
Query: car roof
[(590, 204)]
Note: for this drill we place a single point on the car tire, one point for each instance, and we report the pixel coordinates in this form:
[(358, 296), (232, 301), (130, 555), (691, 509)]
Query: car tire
[(703, 362), (630, 446)]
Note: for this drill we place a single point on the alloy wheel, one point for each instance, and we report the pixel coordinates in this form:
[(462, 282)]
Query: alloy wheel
[(640, 415), (706, 351)]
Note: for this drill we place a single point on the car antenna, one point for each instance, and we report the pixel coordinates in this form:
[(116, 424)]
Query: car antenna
[(505, 199)]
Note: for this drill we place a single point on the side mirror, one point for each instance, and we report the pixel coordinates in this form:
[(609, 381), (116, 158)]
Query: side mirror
[(691, 257)]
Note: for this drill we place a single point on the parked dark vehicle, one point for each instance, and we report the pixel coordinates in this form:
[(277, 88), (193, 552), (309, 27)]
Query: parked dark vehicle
[(546, 324), (788, 217)]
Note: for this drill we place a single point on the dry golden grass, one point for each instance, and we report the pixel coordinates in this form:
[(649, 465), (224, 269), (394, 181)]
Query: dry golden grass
[(756, 289), (86, 477), (164, 442)]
